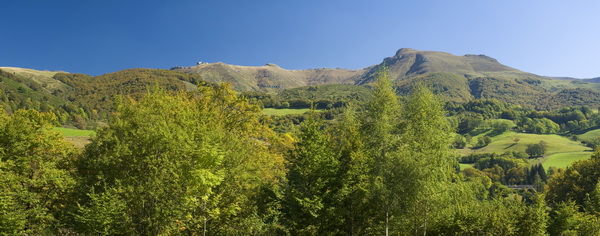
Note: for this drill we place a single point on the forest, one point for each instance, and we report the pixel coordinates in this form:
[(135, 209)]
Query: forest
[(207, 162)]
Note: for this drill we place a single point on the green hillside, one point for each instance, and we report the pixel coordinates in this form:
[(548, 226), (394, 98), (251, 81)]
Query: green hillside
[(79, 98), (334, 92), (590, 135), (561, 150), (20, 90), (68, 132), (452, 87), (96, 93), (456, 78)]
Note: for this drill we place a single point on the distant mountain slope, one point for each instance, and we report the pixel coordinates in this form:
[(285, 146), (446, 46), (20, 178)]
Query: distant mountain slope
[(95, 93), (75, 98), (455, 78), (593, 80), (270, 77), (404, 65), (408, 63)]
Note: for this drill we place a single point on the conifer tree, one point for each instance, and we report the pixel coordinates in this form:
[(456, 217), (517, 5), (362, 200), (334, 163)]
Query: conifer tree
[(312, 186)]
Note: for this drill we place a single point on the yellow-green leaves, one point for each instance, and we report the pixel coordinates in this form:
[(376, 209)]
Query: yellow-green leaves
[(34, 178), (184, 162)]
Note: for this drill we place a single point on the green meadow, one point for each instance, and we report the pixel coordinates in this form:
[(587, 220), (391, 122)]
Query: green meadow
[(590, 135), (68, 132), (561, 150)]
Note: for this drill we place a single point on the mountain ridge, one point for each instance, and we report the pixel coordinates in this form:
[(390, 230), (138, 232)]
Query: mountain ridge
[(455, 78), (405, 64)]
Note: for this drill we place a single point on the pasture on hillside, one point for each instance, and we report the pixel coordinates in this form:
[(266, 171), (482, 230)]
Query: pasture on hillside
[(68, 132), (590, 135), (79, 138), (561, 150)]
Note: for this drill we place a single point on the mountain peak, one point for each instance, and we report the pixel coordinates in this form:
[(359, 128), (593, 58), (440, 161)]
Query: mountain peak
[(272, 65), (403, 51), (481, 56)]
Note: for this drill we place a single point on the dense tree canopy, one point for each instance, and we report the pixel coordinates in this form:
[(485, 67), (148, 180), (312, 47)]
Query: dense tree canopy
[(172, 164), (207, 162), (35, 174)]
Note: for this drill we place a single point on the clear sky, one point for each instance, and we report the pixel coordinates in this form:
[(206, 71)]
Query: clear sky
[(545, 37)]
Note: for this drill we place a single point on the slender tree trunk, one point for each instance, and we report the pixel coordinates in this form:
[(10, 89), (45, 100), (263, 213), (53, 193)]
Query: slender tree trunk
[(387, 224), (206, 212), (425, 220), (204, 228), (352, 217)]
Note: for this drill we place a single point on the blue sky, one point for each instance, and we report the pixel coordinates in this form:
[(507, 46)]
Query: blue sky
[(554, 38)]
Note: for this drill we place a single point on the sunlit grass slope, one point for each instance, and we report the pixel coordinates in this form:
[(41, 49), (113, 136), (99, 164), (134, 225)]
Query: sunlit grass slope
[(561, 150)]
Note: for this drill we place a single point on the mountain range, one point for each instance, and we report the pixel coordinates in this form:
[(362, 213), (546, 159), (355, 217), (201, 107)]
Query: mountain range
[(405, 64), (456, 78)]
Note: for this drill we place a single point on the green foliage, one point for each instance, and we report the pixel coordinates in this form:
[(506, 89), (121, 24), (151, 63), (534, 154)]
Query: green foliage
[(592, 143), (380, 123), (426, 134), (273, 111), (105, 214), (384, 173), (483, 141), (331, 92), (539, 126), (181, 164), (451, 87), (207, 162), (96, 93), (501, 126), (575, 183), (459, 142), (309, 197), (537, 149), (35, 179), (568, 220), (353, 206), (78, 98), (320, 97)]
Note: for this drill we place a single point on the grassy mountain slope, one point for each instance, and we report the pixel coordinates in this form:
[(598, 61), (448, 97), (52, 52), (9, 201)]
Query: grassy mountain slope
[(456, 78), (451, 87), (40, 77), (461, 78), (409, 63), (270, 77), (561, 150), (23, 88)]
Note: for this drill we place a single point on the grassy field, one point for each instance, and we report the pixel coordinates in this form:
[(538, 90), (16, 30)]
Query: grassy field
[(562, 160), (561, 150), (594, 134), (464, 166), (79, 138), (279, 112), (67, 132)]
